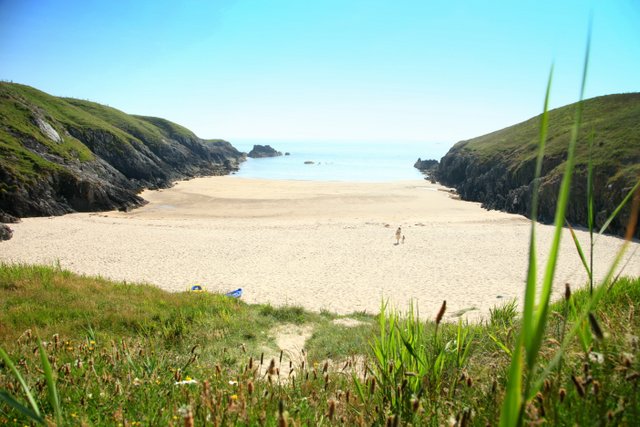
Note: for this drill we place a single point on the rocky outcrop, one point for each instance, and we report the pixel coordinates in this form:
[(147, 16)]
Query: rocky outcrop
[(498, 169), (5, 232), (260, 151), (427, 167), (66, 155)]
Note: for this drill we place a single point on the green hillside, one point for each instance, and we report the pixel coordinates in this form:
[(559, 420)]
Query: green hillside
[(497, 169), (51, 145)]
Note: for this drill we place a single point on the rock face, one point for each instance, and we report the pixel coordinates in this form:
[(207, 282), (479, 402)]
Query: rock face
[(427, 167), (5, 232), (60, 155), (260, 151), (498, 169)]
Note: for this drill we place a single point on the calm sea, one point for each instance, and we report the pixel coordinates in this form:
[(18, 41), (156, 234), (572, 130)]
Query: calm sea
[(340, 161)]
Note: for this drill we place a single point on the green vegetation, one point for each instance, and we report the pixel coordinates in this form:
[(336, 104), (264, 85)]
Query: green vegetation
[(117, 351), (21, 106), (613, 119)]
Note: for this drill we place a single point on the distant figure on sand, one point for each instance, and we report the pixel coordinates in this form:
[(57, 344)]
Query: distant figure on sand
[(403, 239), (398, 235)]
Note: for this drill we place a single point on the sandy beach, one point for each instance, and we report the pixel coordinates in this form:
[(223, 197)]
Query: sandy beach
[(322, 245)]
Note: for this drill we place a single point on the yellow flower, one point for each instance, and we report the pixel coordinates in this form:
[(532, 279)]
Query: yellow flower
[(234, 397)]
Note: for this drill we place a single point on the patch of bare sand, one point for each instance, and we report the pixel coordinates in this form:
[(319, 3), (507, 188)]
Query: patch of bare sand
[(320, 245)]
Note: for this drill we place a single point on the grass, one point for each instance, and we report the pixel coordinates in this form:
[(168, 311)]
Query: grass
[(117, 350)]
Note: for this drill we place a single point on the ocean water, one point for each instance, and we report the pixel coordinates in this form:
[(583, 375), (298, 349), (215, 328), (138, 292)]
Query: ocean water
[(340, 161)]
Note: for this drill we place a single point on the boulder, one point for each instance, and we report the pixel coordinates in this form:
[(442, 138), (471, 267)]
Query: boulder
[(5, 232), (260, 151)]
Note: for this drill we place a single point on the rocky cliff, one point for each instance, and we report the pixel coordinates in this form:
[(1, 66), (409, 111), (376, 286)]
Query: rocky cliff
[(59, 155), (259, 151), (498, 169)]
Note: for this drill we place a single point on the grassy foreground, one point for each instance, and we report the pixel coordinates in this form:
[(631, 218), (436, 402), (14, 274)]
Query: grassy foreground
[(123, 354)]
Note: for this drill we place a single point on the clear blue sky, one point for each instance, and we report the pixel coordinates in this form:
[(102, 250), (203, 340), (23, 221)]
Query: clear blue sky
[(350, 70)]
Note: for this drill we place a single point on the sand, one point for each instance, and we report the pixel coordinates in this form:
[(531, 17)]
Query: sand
[(321, 245)]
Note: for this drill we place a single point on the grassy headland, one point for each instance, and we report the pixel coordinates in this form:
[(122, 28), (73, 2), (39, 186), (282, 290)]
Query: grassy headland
[(497, 169), (58, 155), (132, 354)]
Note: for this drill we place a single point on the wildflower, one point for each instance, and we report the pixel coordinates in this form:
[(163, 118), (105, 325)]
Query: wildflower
[(596, 357), (137, 381), (232, 382), (186, 381), (234, 397)]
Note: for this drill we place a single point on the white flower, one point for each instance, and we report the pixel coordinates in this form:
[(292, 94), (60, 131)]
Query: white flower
[(596, 357), (188, 381), (232, 382)]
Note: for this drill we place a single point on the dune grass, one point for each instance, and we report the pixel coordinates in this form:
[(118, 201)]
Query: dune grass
[(132, 354)]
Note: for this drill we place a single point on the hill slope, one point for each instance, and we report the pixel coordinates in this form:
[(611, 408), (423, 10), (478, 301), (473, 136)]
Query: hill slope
[(498, 169), (59, 155)]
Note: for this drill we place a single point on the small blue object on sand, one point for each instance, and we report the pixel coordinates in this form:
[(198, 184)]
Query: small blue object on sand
[(235, 294), (196, 288)]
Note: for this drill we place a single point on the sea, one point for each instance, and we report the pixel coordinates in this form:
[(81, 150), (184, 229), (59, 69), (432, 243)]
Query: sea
[(350, 161)]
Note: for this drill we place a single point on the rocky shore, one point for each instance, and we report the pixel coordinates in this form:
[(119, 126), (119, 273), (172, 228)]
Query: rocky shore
[(498, 169)]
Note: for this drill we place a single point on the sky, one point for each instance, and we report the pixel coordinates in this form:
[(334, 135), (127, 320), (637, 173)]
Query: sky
[(323, 70)]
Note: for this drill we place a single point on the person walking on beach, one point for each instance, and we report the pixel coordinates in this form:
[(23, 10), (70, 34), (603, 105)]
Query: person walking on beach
[(398, 235)]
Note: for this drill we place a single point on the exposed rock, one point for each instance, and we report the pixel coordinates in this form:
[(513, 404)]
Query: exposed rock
[(108, 156), (498, 169), (309, 162), (5, 232), (260, 151), (48, 130), (8, 219), (287, 154), (428, 168)]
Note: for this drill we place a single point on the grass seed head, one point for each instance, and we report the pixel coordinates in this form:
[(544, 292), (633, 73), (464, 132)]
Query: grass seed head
[(332, 409), (562, 393), (577, 381), (595, 326), (443, 308)]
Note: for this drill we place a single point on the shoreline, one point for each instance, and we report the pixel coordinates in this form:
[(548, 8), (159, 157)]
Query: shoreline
[(321, 245)]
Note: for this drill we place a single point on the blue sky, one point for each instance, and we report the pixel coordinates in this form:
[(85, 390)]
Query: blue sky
[(322, 70)]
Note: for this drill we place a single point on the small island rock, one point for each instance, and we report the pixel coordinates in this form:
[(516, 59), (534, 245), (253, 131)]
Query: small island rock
[(260, 151)]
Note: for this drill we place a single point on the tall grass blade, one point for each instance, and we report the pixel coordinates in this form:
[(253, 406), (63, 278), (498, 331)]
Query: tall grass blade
[(619, 208), (581, 253), (512, 409), (29, 413), (561, 208), (23, 384), (51, 384), (592, 303), (511, 412), (530, 290), (590, 210)]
